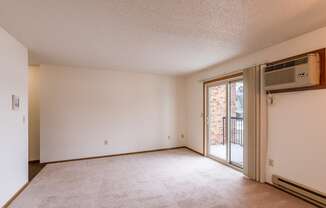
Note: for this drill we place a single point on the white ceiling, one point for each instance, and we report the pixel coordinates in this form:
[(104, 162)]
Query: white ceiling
[(158, 36)]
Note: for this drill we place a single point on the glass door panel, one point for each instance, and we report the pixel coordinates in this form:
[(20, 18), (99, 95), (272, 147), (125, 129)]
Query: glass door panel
[(236, 123), (217, 111)]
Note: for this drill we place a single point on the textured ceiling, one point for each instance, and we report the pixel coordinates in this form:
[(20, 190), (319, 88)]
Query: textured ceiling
[(159, 36)]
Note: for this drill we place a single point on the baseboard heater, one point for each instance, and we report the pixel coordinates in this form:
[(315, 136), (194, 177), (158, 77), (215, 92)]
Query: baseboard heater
[(304, 192)]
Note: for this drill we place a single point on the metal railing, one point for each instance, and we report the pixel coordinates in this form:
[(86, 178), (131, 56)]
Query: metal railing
[(236, 126)]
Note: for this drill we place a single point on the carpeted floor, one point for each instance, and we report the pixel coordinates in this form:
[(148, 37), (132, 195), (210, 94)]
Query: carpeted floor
[(166, 179)]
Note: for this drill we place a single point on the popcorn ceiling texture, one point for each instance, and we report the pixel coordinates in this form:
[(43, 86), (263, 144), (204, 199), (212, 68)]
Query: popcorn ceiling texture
[(165, 179), (170, 36)]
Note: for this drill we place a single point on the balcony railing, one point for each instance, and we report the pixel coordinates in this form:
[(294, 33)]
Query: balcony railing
[(236, 130)]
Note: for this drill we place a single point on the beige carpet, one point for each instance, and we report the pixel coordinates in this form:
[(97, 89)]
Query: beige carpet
[(175, 178)]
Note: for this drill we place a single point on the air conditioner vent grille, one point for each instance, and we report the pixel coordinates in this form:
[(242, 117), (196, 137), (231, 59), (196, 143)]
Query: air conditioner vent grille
[(280, 77), (292, 63)]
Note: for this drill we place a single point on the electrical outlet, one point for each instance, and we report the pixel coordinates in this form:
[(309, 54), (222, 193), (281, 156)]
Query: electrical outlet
[(106, 142), (271, 162), (169, 137)]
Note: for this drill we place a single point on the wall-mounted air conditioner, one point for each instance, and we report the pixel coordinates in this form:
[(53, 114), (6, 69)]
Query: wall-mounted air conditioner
[(299, 72)]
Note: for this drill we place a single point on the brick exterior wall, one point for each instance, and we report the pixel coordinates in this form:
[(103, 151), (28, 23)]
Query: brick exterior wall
[(217, 110)]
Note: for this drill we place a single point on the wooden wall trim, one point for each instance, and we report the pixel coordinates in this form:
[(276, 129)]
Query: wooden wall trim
[(15, 195), (114, 155), (199, 153), (229, 76), (322, 84)]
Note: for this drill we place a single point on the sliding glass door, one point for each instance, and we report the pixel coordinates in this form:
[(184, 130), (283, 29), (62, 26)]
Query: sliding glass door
[(217, 113), (224, 121)]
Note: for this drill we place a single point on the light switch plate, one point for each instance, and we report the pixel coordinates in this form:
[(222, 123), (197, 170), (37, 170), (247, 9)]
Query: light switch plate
[(15, 102), (271, 162)]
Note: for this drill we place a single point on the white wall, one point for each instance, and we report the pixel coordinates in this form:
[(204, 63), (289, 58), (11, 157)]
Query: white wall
[(80, 108), (297, 137), (307, 42), (34, 113), (13, 126)]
